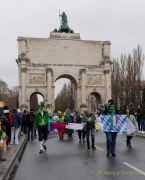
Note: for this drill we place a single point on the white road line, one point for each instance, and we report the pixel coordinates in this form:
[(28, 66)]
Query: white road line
[(134, 168), (99, 148)]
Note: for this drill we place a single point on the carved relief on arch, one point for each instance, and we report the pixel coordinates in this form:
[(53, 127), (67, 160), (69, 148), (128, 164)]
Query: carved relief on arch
[(37, 79), (94, 79)]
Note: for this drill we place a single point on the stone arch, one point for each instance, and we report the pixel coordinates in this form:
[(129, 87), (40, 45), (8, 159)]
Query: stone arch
[(32, 106), (74, 80), (36, 91), (94, 100), (69, 76), (32, 91), (87, 69)]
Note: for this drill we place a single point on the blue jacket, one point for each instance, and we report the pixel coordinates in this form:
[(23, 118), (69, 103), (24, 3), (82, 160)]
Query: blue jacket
[(16, 120)]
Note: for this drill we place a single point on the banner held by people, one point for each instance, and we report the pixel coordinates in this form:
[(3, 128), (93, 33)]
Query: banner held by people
[(114, 123)]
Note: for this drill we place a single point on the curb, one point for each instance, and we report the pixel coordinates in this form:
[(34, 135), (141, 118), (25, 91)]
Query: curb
[(9, 166), (141, 135)]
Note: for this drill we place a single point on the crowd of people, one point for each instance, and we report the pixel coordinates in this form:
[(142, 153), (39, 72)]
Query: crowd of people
[(16, 123)]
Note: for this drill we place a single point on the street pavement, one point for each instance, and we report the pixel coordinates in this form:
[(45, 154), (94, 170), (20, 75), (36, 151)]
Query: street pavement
[(70, 160)]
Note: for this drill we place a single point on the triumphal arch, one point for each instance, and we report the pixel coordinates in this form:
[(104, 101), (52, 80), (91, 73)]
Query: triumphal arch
[(42, 61)]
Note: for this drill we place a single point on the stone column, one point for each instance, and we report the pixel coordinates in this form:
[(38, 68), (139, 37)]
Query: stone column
[(78, 97), (106, 54), (23, 98), (19, 81), (83, 87), (107, 74), (22, 65), (49, 72), (53, 96)]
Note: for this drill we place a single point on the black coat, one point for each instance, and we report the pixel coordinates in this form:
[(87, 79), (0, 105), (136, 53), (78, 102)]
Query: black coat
[(30, 120)]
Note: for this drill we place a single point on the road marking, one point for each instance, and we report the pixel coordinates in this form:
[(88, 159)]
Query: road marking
[(99, 148), (134, 168)]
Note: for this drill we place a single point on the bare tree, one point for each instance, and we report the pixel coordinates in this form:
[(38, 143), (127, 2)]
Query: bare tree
[(4, 90), (66, 98), (9, 96), (126, 78)]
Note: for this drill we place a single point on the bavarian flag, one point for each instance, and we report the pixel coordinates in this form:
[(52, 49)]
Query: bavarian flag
[(114, 123)]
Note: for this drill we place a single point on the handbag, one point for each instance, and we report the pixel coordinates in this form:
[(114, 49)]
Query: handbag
[(97, 127)]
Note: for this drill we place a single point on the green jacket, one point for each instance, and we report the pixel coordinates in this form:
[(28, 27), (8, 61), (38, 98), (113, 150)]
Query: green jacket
[(90, 121), (60, 120), (41, 120), (67, 117)]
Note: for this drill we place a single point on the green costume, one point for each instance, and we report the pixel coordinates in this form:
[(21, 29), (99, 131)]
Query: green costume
[(41, 120), (90, 121), (111, 109), (60, 117), (68, 119)]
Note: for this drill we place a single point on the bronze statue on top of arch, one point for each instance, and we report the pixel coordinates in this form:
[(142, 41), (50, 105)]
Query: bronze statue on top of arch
[(64, 25)]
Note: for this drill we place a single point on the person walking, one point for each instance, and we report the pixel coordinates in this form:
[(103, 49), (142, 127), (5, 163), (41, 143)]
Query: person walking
[(89, 119), (60, 120), (138, 117), (30, 124), (16, 123), (41, 121), (111, 136), (79, 120), (68, 118), (8, 123), (24, 119), (130, 119)]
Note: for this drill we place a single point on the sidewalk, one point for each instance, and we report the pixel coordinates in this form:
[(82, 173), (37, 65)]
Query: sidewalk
[(13, 156), (141, 133)]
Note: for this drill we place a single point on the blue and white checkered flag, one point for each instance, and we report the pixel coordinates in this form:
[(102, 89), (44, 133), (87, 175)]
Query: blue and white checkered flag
[(114, 123)]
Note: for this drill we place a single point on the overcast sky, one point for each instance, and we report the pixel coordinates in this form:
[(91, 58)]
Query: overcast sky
[(120, 21)]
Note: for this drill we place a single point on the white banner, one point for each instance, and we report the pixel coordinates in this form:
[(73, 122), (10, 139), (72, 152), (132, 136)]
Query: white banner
[(75, 126)]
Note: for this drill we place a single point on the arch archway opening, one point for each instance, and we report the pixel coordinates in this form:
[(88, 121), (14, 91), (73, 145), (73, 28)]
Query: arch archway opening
[(35, 100), (65, 93), (94, 101)]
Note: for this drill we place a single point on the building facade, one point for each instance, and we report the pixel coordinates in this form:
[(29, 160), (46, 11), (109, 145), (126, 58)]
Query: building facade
[(42, 61)]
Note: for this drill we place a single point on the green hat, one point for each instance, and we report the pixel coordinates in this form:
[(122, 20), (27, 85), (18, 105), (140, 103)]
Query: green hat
[(59, 113), (42, 103)]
